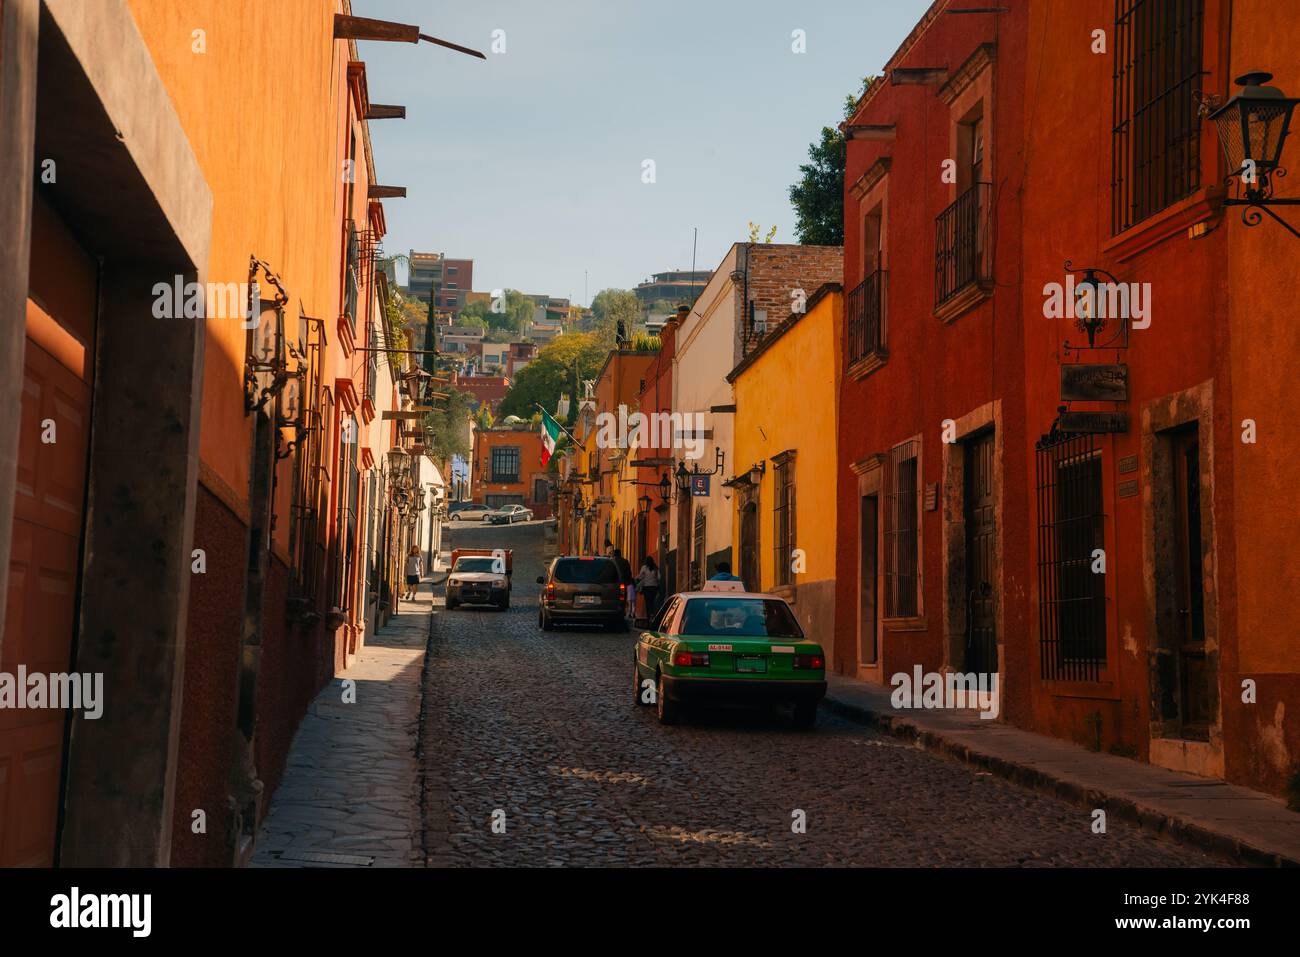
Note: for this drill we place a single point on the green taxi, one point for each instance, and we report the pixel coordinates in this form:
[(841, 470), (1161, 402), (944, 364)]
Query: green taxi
[(727, 646)]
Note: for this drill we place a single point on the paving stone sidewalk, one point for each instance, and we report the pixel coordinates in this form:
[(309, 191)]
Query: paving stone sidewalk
[(349, 796), (1242, 824)]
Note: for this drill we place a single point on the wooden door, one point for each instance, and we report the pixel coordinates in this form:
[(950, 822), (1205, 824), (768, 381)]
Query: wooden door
[(49, 503)]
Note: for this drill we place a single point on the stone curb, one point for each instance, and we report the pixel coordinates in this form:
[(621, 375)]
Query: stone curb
[(1159, 822)]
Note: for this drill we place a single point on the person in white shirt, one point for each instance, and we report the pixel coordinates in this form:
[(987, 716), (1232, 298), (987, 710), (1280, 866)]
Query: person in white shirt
[(647, 583), (413, 563)]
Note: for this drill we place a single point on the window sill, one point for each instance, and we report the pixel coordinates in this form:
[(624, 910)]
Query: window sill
[(1102, 689), (861, 368), (968, 298), (905, 624), (1205, 203)]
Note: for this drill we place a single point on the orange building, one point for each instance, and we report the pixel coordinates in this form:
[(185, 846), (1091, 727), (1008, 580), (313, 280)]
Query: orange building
[(182, 499), (506, 467)]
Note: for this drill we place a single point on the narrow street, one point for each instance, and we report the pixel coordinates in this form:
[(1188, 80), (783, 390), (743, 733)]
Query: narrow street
[(542, 726)]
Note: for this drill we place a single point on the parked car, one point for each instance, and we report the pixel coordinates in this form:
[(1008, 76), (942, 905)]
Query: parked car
[(508, 515), (724, 645), (467, 511), (582, 590), (480, 576)]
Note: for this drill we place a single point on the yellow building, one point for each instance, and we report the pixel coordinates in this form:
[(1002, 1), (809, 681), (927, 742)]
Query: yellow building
[(784, 450)]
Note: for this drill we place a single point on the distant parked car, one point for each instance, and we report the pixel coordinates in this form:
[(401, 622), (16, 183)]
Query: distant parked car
[(582, 590), (467, 511), (508, 515)]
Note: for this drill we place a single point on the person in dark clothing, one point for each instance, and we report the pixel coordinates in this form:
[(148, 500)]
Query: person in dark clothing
[(624, 568), (722, 573)]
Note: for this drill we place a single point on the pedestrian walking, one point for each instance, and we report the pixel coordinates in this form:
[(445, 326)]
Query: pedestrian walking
[(647, 583), (413, 563)]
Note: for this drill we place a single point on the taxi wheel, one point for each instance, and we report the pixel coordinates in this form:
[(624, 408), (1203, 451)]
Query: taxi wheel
[(451, 604), (637, 690), (805, 715), (668, 711), (544, 620)]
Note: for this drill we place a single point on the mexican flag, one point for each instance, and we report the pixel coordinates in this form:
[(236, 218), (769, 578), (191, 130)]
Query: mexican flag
[(550, 435)]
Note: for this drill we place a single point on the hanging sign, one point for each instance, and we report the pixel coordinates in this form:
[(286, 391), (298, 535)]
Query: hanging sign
[(699, 485), (1094, 421), (1092, 382)]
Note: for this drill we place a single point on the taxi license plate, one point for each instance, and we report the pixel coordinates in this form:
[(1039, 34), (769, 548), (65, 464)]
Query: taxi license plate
[(751, 664), (586, 599)]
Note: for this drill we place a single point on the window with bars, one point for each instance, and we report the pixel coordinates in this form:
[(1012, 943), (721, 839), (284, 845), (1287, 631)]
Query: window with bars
[(1155, 141), (783, 519), (902, 533), (505, 463), (1071, 530), (347, 524)]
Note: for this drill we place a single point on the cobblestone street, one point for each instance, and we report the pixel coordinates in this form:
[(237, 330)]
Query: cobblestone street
[(541, 725)]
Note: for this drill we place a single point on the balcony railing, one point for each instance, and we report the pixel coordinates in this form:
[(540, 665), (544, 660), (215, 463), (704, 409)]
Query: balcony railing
[(961, 244), (866, 318)]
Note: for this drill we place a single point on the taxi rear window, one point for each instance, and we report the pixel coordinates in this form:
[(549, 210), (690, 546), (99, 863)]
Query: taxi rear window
[(739, 618), (586, 571)]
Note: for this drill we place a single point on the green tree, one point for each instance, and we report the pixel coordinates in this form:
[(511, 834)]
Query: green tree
[(609, 308), (448, 425), (516, 312), (818, 197), (552, 373)]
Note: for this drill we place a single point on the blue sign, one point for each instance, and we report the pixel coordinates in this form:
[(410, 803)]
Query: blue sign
[(699, 485)]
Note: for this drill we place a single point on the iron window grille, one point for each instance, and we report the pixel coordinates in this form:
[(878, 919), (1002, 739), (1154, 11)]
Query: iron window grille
[(866, 318), (505, 464), (962, 252), (304, 536), (1071, 527), (1155, 139), (902, 570), (783, 518)]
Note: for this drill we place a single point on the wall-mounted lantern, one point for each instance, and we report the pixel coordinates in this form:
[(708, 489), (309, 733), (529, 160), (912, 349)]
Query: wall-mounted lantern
[(1253, 127), (265, 366), (644, 503), (756, 473)]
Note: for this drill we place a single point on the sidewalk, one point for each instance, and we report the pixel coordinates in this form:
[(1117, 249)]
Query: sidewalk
[(349, 796), (1245, 825)]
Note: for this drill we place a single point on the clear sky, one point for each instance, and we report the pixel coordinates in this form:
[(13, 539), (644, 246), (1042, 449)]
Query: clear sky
[(531, 163)]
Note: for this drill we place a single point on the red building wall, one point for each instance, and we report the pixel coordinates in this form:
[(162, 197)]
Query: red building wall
[(957, 367)]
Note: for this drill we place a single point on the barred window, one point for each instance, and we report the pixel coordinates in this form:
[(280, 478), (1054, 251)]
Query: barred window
[(783, 519), (1071, 595), (698, 558), (902, 569), (1155, 141), (505, 463)]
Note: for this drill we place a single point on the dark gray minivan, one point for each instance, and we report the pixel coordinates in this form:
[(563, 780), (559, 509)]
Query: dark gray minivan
[(582, 590)]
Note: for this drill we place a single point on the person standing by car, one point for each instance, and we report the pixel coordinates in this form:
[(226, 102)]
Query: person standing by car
[(647, 583), (625, 578), (412, 572)]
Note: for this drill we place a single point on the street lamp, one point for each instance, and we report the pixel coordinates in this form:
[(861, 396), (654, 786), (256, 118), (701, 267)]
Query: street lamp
[(416, 381), (644, 502), (1253, 127), (756, 473), (665, 488), (682, 478)]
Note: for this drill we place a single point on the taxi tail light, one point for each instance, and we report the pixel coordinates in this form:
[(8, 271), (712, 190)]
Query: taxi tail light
[(813, 662), (691, 659), (622, 592), (550, 593)]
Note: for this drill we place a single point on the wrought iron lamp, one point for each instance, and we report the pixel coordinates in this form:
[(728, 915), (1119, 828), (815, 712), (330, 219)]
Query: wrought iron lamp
[(1253, 127)]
